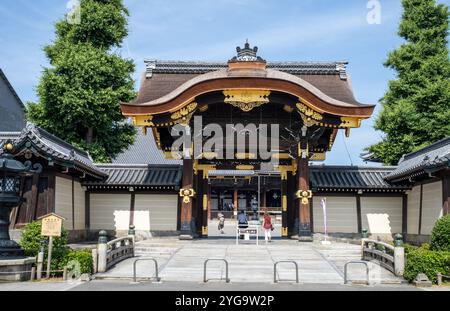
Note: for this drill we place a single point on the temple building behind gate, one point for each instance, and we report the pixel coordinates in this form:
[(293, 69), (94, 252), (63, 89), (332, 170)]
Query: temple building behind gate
[(165, 190)]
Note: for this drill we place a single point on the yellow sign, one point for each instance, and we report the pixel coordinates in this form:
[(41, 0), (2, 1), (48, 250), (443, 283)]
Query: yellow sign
[(51, 225)]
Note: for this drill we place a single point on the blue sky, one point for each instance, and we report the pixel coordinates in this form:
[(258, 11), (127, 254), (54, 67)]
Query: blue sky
[(284, 30)]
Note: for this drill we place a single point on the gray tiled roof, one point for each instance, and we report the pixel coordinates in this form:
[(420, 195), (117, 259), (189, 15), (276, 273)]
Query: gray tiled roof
[(143, 151), (352, 177), (161, 177), (4, 78), (42, 143), (296, 68), (428, 159)]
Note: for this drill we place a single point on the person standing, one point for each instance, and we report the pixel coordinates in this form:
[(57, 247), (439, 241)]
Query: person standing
[(268, 227), (221, 218)]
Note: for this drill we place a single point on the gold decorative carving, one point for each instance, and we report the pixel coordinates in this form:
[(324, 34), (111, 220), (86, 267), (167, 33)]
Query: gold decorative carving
[(204, 231), (144, 121), (184, 113), (244, 156), (246, 100), (205, 202), (245, 167), (187, 194), (284, 231), (288, 108), (284, 203), (350, 122), (304, 195), (309, 112), (205, 168), (318, 156)]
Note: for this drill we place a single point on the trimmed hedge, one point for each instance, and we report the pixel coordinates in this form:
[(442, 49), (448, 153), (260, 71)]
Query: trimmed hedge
[(31, 243), (440, 236), (422, 260), (32, 240), (83, 257)]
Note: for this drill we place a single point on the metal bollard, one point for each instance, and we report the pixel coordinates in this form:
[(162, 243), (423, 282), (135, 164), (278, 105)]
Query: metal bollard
[(285, 261), (357, 262), (227, 279), (158, 279)]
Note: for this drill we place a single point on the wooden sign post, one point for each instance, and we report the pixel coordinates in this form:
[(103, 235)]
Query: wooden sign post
[(51, 227)]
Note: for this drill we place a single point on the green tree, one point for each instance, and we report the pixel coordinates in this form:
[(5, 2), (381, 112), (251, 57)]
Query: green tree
[(416, 107), (80, 93)]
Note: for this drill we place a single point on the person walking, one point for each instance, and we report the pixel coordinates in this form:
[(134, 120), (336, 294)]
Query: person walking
[(268, 227)]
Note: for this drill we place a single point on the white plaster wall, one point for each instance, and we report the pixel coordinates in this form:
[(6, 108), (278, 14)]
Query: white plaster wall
[(156, 212), (63, 200), (79, 204), (381, 215), (341, 215), (413, 210), (431, 206), (110, 211)]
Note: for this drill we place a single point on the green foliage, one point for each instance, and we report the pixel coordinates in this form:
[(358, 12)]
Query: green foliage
[(80, 94), (416, 108), (32, 241), (440, 236), (409, 248), (83, 257), (425, 261)]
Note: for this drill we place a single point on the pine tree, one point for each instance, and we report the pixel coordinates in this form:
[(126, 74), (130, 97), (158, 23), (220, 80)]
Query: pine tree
[(80, 93), (416, 107)]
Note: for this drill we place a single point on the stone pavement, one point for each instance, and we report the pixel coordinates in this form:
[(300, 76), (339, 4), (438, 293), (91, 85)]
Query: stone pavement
[(182, 261)]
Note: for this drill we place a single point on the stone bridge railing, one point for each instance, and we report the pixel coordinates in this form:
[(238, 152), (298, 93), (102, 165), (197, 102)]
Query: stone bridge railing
[(112, 252), (388, 256)]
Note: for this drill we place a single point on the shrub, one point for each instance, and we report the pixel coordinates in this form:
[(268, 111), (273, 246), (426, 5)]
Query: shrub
[(32, 241), (83, 257), (440, 236), (425, 261), (409, 248)]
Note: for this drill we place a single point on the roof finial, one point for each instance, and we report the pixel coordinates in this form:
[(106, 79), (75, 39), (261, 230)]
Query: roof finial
[(247, 53)]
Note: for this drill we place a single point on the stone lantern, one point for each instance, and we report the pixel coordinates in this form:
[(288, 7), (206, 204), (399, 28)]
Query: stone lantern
[(11, 173)]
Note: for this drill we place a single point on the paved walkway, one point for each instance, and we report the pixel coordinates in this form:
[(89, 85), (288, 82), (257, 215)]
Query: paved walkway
[(182, 261)]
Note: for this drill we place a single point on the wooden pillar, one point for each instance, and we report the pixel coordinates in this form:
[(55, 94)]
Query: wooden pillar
[(208, 192), (264, 199), (304, 207), (187, 227), (446, 195), (204, 186), (358, 213), (87, 210), (235, 202), (420, 209), (132, 205), (284, 204), (404, 215), (292, 210)]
